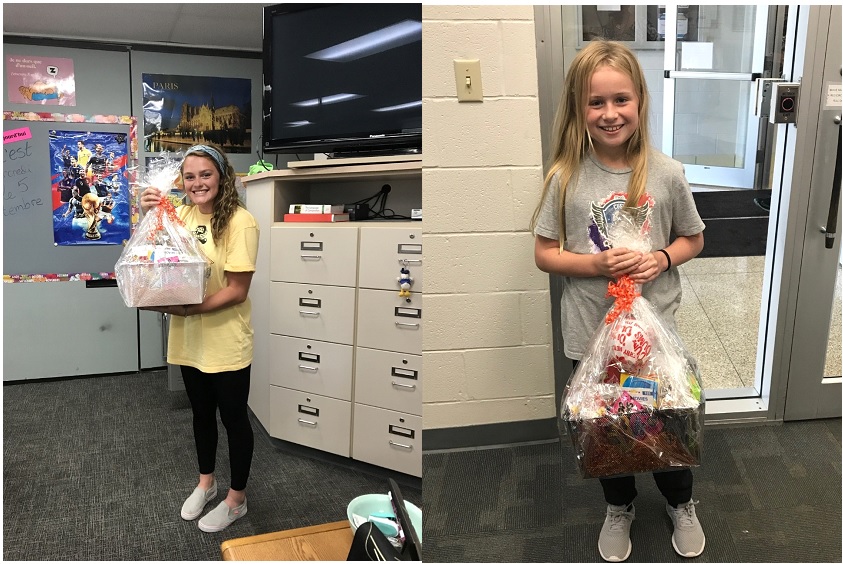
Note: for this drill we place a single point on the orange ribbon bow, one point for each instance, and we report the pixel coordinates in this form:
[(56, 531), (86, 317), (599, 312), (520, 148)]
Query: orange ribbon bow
[(624, 293)]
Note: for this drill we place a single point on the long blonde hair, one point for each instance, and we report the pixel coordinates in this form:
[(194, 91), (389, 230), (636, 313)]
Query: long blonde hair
[(571, 141)]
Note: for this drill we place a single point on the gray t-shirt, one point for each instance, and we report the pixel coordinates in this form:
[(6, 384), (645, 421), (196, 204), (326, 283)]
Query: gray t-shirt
[(598, 194)]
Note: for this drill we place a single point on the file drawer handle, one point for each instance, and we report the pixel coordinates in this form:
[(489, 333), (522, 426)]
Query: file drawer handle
[(306, 422), (314, 257), (408, 386), (402, 324), (407, 262), (311, 313), (393, 443), (311, 368)]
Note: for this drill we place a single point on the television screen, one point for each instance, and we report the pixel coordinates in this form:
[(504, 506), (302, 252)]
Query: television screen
[(342, 78)]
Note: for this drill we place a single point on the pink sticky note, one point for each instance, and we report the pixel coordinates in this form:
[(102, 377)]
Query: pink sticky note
[(19, 134)]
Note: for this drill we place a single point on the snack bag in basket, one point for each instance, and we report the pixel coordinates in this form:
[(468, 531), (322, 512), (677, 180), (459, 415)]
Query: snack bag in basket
[(163, 262), (635, 403)]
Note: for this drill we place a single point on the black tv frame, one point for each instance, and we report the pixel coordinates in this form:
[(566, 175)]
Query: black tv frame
[(339, 146)]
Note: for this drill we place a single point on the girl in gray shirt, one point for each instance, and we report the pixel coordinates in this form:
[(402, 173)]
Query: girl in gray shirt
[(602, 162)]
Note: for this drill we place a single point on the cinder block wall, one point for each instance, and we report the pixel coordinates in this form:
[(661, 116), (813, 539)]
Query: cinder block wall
[(487, 352)]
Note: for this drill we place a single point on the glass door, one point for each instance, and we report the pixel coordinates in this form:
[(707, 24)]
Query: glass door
[(712, 55), (814, 375)]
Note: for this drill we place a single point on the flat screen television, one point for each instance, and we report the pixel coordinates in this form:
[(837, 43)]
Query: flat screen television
[(342, 79)]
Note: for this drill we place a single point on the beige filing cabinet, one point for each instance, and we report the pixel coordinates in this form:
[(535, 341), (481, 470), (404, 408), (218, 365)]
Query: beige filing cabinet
[(337, 349), (388, 377)]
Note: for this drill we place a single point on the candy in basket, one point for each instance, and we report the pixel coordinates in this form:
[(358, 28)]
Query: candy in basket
[(635, 401), (163, 262)]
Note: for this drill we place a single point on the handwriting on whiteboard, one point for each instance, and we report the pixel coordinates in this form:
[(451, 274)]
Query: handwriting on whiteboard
[(18, 196)]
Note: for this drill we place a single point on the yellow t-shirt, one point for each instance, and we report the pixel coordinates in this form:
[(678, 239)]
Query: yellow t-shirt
[(219, 341)]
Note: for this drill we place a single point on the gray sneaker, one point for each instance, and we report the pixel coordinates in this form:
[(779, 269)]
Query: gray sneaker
[(688, 537), (197, 501), (614, 543), (221, 517)]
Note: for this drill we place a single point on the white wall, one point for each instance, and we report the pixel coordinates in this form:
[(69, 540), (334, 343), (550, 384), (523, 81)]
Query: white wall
[(487, 353)]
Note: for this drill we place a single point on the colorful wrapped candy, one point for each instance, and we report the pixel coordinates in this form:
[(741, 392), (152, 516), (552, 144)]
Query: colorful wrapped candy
[(635, 403), (163, 262)]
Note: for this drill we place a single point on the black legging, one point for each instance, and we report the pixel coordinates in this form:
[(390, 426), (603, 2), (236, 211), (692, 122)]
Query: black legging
[(230, 392), (675, 485)]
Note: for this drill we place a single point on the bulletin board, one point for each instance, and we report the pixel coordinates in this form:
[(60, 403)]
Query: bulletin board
[(30, 252)]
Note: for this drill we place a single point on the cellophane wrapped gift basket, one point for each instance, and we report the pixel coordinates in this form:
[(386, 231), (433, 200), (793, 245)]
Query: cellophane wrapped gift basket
[(163, 262), (635, 402)]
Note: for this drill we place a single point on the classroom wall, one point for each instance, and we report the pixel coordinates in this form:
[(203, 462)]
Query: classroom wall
[(54, 329), (487, 333)]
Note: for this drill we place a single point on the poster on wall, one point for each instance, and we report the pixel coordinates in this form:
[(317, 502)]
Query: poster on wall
[(90, 188), (180, 111), (48, 81)]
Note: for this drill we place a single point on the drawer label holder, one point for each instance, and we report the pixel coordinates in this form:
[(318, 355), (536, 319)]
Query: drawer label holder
[(309, 357), (407, 312), (311, 246), (402, 431), (310, 302), (307, 410), (405, 373)]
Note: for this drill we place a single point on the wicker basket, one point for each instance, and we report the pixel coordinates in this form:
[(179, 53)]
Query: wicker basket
[(617, 445)]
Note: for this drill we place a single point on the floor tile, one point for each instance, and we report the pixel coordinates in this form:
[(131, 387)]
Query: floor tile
[(702, 341)]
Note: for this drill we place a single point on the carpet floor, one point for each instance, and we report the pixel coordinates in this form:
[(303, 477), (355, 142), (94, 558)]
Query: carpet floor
[(98, 468), (766, 494)]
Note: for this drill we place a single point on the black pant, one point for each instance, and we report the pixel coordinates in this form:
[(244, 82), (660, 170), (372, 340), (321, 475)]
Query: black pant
[(230, 392), (675, 485)]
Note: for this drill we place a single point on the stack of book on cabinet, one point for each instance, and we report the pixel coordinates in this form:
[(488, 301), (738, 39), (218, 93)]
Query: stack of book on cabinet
[(330, 213)]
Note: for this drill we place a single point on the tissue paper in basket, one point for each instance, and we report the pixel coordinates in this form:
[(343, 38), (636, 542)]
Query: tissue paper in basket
[(163, 263)]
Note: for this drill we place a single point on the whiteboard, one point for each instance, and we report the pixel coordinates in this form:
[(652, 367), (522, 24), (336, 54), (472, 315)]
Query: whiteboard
[(28, 241)]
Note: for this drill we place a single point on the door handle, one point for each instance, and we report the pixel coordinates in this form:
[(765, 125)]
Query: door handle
[(830, 229)]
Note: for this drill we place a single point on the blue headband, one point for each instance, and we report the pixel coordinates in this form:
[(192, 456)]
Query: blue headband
[(213, 153)]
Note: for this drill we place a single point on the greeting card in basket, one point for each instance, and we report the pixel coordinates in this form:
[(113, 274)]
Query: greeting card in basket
[(163, 262), (635, 402)]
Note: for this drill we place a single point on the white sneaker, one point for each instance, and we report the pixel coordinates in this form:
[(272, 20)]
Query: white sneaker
[(197, 501), (614, 544), (221, 517)]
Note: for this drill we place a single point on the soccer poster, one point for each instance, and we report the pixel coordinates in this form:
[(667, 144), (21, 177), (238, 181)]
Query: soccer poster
[(180, 111), (40, 80), (90, 188)]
